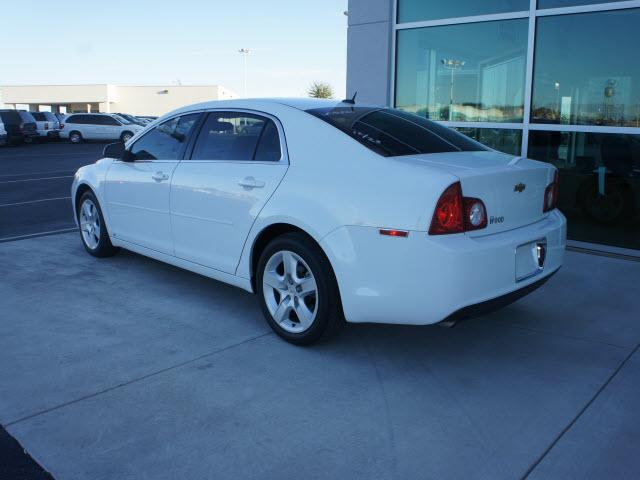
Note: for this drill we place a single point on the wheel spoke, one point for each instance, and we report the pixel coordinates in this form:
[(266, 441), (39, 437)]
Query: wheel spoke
[(308, 285), (282, 312), (305, 316), (290, 264), (274, 280)]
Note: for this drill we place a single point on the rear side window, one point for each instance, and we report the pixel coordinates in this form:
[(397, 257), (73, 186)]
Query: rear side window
[(237, 136), (166, 141), (391, 132), (39, 116)]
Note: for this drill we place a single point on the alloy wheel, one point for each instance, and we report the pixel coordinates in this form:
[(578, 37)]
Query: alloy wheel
[(290, 291), (90, 224)]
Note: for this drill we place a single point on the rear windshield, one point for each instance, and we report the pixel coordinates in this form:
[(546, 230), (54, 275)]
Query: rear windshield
[(392, 133), (26, 117), (10, 117), (44, 116)]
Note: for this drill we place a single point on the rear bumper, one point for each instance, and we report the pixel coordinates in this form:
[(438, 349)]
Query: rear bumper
[(425, 279)]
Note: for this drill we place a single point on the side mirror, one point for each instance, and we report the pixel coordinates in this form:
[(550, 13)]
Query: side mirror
[(117, 151)]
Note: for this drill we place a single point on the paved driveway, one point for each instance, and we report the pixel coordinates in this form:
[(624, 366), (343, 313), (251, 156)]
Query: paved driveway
[(128, 368)]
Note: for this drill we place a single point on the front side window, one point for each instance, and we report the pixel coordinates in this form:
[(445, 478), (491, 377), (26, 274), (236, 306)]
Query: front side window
[(166, 141), (107, 120), (393, 133), (237, 136)]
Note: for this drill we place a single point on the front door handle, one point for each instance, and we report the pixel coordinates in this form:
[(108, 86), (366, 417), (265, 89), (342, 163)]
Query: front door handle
[(250, 182), (160, 176)]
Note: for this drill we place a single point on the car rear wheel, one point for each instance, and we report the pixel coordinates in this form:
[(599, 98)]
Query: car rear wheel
[(298, 291), (75, 137), (93, 230)]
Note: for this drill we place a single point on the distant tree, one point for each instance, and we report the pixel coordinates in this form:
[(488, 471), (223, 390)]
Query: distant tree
[(320, 90)]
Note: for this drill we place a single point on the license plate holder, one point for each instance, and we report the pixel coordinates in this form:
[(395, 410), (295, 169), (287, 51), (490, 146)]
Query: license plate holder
[(530, 259)]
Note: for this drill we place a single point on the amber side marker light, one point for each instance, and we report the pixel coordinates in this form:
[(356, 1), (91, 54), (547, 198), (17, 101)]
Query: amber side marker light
[(394, 233)]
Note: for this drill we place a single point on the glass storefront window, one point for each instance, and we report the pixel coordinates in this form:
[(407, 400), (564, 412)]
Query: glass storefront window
[(419, 10), (569, 3), (501, 139), (599, 183), (586, 69), (467, 72)]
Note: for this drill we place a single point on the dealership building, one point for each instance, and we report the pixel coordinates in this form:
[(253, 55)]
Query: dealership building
[(554, 80), (133, 99)]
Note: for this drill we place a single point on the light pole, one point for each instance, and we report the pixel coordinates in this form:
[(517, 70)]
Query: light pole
[(452, 65), (245, 52)]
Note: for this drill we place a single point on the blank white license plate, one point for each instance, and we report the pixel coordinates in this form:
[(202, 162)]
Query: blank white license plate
[(530, 259)]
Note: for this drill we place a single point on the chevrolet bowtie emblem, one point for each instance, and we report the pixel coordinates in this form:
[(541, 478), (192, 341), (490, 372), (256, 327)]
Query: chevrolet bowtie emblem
[(519, 187)]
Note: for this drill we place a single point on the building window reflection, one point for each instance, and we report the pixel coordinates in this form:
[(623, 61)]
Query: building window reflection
[(586, 70), (470, 72)]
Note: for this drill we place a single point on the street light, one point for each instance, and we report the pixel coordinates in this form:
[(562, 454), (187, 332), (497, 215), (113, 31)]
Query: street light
[(245, 52), (452, 65)]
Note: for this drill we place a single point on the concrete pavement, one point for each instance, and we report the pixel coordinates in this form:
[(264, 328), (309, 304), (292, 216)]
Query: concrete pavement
[(129, 368)]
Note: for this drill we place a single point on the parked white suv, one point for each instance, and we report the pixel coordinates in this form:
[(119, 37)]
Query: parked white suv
[(98, 126), (47, 125)]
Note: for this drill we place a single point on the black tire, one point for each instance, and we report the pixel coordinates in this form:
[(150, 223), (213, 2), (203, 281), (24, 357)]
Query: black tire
[(125, 136), (104, 248), (329, 317), (75, 137)]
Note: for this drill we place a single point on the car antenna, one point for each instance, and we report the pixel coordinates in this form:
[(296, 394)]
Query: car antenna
[(352, 100)]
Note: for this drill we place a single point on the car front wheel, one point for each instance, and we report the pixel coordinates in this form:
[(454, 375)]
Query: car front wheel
[(75, 137), (297, 289), (93, 230)]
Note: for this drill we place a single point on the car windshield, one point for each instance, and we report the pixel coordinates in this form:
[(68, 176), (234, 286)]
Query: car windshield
[(391, 132)]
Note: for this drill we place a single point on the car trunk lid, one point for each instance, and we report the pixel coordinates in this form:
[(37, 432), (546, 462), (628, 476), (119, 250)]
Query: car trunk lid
[(511, 188)]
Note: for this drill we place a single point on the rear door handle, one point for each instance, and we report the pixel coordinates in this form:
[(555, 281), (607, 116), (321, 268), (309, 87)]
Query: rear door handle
[(160, 176), (250, 182)]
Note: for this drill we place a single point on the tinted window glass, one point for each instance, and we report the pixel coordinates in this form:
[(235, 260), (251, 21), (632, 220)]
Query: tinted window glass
[(39, 116), (229, 136), (586, 69), (107, 120), (569, 3), (10, 117), (599, 183), (166, 141), (470, 72), (501, 139), (269, 146), (393, 133), (26, 117), (417, 10)]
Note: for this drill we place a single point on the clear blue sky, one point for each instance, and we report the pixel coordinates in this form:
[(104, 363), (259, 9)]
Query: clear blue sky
[(194, 41)]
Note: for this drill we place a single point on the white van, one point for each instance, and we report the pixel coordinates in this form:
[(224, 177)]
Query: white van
[(98, 126)]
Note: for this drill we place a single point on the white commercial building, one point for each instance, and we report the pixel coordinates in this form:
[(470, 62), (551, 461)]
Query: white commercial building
[(133, 99)]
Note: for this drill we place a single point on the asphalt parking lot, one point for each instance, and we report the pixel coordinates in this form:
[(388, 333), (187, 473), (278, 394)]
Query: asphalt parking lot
[(35, 182), (129, 368)]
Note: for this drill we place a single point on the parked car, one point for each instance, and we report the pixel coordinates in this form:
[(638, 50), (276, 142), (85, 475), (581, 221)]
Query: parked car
[(61, 117), (333, 210), (3, 134), (131, 119), (98, 126), (19, 125), (47, 125), (146, 119)]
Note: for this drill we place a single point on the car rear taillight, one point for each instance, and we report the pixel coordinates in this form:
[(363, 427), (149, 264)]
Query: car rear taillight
[(457, 214), (61, 126), (551, 195), (46, 125)]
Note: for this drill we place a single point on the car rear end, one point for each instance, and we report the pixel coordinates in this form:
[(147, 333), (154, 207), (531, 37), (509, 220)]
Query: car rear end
[(28, 126), (47, 125), (486, 231)]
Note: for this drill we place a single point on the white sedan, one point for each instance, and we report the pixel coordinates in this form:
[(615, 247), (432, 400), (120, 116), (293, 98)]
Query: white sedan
[(328, 211)]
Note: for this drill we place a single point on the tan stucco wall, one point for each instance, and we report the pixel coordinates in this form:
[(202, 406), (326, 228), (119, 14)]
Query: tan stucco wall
[(136, 100)]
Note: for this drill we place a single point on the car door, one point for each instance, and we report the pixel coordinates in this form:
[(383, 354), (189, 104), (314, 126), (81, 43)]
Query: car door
[(108, 128), (137, 190), (220, 188)]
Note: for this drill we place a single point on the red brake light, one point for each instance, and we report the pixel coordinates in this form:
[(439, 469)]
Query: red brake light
[(46, 125), (447, 218), (457, 214), (61, 126), (551, 195)]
